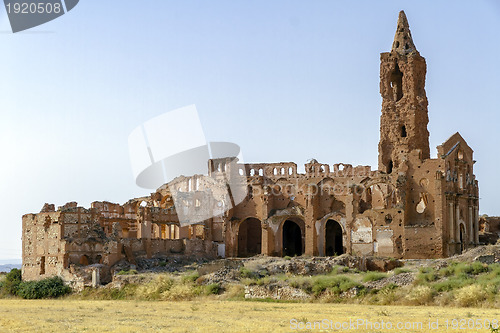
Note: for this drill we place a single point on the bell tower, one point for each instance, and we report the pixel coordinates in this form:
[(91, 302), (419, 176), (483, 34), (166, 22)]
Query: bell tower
[(403, 124)]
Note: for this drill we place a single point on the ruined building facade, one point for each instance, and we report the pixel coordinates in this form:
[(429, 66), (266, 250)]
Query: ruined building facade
[(413, 206)]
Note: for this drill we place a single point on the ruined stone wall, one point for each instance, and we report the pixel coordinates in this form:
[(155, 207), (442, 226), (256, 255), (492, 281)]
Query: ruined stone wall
[(56, 242), (44, 254), (362, 202), (412, 207)]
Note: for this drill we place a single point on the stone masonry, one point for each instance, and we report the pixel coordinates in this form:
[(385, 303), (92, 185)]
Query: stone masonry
[(411, 207)]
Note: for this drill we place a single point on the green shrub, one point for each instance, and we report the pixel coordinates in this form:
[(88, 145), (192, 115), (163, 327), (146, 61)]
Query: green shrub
[(11, 282), (420, 295), (388, 294), (182, 292), (490, 280), (470, 295), (128, 291), (494, 269), (373, 276), (478, 268), (401, 270), (213, 289), (247, 273), (190, 277), (235, 292), (266, 280), (390, 286), (426, 275), (336, 284), (47, 288), (125, 272), (450, 284), (302, 282), (155, 288), (464, 268)]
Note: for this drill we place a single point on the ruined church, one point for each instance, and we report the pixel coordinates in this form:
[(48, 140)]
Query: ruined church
[(411, 206)]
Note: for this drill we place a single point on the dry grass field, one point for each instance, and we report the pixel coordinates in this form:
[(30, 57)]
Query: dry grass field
[(210, 315)]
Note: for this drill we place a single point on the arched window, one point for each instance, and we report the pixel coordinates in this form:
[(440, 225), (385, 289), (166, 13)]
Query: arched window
[(397, 83), (390, 166)]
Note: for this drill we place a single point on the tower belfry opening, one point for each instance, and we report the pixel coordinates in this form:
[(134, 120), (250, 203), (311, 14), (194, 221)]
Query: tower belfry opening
[(404, 134), (397, 83)]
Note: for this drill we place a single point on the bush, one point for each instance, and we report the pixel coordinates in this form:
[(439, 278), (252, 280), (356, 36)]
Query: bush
[(11, 282), (155, 288), (47, 288), (447, 285), (336, 284), (181, 292), (388, 294), (190, 277), (235, 291), (478, 268), (470, 295), (494, 269), (420, 295), (457, 268), (247, 273), (426, 274), (302, 282), (373, 276), (124, 272), (401, 270), (126, 292), (213, 289)]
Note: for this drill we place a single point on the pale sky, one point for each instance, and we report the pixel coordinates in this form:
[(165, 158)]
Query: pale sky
[(285, 80)]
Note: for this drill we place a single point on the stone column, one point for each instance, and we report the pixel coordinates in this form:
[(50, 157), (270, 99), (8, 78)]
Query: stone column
[(451, 222), (310, 238), (472, 232), (457, 226), (267, 247), (349, 214), (96, 280), (310, 246), (476, 225)]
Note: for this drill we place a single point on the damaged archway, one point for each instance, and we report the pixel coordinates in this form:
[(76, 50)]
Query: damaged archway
[(462, 238), (249, 238), (333, 238), (292, 237)]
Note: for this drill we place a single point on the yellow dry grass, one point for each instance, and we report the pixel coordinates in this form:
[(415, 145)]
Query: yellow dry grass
[(208, 315)]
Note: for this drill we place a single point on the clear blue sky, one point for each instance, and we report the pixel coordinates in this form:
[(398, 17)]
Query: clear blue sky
[(286, 80)]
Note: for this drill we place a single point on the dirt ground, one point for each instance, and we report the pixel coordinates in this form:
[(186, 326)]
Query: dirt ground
[(210, 315)]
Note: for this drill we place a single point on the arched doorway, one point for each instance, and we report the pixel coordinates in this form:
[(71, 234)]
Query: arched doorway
[(462, 238), (84, 260), (333, 238), (249, 238), (292, 239)]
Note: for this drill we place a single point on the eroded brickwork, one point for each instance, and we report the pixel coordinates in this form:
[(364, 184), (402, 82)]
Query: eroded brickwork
[(411, 207)]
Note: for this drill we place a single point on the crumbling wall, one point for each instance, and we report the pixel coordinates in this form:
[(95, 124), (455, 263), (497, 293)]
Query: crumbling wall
[(43, 250)]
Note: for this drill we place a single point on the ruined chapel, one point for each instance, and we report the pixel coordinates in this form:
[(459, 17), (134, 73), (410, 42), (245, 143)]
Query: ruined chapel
[(411, 206)]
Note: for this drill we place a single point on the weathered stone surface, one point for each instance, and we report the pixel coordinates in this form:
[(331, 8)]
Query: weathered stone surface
[(275, 291), (486, 259), (382, 264), (411, 207)]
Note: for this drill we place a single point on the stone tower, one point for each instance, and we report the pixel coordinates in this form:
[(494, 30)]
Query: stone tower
[(403, 124)]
